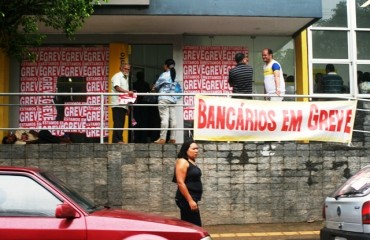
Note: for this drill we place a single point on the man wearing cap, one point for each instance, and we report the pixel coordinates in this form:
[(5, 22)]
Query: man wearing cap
[(241, 76)]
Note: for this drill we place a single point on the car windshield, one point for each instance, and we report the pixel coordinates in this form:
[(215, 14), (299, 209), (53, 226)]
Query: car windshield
[(71, 193), (357, 185)]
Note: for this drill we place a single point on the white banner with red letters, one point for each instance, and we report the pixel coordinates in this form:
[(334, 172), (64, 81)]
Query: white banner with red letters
[(230, 119), (206, 70)]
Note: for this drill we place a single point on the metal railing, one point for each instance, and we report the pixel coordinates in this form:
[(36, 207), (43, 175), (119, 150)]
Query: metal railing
[(103, 104)]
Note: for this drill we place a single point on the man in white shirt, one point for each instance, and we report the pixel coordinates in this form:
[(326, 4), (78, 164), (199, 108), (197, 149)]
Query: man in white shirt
[(120, 84), (273, 76)]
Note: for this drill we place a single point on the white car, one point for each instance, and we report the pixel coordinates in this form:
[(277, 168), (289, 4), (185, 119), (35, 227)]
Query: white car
[(347, 210)]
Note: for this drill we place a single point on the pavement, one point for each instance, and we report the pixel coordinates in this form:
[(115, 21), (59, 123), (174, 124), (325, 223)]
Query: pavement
[(279, 231)]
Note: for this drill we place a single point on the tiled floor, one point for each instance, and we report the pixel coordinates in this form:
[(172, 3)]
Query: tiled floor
[(292, 231)]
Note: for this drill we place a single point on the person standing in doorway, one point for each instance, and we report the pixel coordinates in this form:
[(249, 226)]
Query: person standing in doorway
[(273, 76), (141, 113), (187, 175), (120, 84), (241, 76), (166, 84), (332, 82)]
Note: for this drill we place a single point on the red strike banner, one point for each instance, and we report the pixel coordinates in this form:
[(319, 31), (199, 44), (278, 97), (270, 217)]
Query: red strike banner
[(64, 70), (206, 70), (230, 119)]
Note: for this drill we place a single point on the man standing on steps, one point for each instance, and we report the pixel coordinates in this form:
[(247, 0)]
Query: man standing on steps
[(241, 76), (273, 77), (120, 84)]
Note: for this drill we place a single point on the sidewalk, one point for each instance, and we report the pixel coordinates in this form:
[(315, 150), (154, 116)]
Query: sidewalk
[(279, 231)]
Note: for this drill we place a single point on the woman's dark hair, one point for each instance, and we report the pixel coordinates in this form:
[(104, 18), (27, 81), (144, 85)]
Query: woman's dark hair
[(170, 63), (184, 148)]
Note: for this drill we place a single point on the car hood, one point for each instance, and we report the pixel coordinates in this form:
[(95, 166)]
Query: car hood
[(133, 221)]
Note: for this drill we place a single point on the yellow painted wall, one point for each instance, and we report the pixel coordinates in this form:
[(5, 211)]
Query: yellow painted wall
[(4, 88), (118, 54), (301, 51)]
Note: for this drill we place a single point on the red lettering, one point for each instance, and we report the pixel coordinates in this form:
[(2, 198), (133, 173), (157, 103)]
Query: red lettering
[(202, 117), (220, 124), (292, 120), (329, 120), (347, 128), (230, 121), (272, 124)]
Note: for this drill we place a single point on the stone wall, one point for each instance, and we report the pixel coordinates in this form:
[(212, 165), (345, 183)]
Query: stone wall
[(243, 182)]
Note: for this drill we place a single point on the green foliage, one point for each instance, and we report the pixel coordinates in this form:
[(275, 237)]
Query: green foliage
[(19, 21), (338, 17), (333, 44), (286, 59)]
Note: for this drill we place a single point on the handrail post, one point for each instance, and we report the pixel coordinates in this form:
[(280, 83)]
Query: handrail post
[(102, 118)]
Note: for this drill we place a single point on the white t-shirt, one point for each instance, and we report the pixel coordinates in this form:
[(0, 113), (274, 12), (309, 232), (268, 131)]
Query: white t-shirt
[(268, 72), (118, 79)]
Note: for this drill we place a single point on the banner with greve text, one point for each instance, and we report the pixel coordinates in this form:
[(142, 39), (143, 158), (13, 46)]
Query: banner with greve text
[(206, 70), (230, 119), (64, 70)]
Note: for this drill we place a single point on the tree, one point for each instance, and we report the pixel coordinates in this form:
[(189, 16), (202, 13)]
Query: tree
[(19, 21), (338, 18), (286, 59)]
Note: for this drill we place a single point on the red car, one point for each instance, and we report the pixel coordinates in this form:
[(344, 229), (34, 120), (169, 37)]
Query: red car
[(34, 204)]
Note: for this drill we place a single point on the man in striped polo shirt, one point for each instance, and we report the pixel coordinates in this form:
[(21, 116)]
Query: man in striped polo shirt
[(241, 76)]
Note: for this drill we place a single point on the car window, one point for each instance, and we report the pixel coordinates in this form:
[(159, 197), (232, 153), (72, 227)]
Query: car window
[(23, 196), (70, 192), (359, 184)]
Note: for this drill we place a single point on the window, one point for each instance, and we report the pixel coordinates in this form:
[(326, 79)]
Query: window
[(330, 44), (334, 14), (363, 47), (363, 78), (22, 196), (362, 14), (324, 85)]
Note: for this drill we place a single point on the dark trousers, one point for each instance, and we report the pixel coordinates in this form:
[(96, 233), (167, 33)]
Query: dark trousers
[(155, 122), (142, 117), (45, 136), (119, 115), (242, 97), (187, 214), (60, 108)]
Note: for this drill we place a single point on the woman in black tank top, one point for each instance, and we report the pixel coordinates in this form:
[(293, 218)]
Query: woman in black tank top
[(189, 185)]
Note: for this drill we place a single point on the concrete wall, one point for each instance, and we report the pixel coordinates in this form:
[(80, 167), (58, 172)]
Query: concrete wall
[(243, 182)]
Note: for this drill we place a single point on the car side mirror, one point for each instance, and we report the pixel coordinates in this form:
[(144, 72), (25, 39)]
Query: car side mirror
[(65, 210)]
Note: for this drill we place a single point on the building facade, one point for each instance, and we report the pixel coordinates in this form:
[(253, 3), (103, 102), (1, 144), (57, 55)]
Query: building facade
[(159, 29)]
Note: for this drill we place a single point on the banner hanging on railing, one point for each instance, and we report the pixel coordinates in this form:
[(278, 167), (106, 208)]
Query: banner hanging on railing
[(230, 119)]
